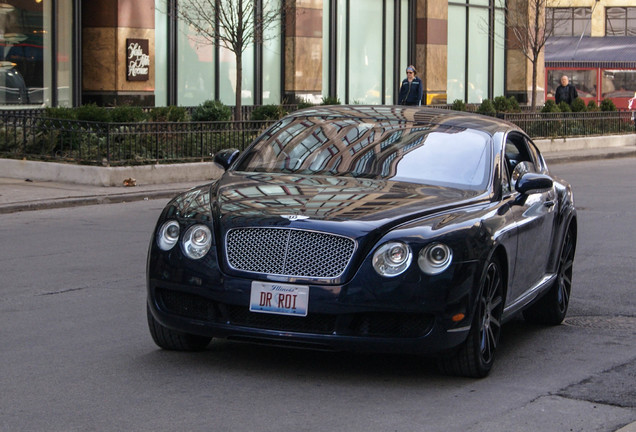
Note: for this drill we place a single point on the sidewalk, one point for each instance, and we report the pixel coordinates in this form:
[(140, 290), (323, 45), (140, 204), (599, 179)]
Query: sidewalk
[(24, 194)]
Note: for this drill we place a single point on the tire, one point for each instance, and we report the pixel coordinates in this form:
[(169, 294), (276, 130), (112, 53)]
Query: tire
[(553, 306), (475, 357), (173, 340)]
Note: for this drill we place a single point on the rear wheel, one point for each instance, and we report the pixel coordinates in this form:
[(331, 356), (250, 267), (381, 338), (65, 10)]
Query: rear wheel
[(476, 355), (173, 340), (553, 306)]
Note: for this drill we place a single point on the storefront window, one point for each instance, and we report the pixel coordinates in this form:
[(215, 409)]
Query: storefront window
[(618, 83), (22, 38), (365, 52), (583, 79), (475, 50)]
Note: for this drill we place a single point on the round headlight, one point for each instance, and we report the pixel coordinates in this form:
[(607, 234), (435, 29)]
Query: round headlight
[(168, 235), (392, 259), (435, 258), (197, 241)]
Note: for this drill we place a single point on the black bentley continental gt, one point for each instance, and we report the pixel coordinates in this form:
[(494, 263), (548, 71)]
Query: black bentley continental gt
[(369, 229)]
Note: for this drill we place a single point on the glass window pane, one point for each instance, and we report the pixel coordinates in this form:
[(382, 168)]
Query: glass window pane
[(326, 41), (500, 65), (562, 28), (615, 12), (581, 27), (365, 52), (161, 54), (478, 40), (388, 64), (64, 16), (456, 73), (615, 27), (618, 83), (24, 42), (582, 13), (583, 79), (195, 64), (342, 50), (272, 57)]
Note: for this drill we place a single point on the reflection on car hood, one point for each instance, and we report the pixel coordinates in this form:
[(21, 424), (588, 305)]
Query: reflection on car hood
[(263, 199)]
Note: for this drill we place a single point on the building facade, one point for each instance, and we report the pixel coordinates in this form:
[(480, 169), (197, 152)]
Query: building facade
[(594, 44), (72, 52)]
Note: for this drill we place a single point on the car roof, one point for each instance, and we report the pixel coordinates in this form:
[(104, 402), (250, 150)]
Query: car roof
[(419, 115)]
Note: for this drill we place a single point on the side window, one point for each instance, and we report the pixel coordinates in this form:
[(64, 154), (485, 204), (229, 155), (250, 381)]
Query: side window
[(516, 152), (536, 156), (506, 184)]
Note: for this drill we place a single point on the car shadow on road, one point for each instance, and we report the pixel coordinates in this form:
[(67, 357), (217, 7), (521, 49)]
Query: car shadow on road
[(276, 362)]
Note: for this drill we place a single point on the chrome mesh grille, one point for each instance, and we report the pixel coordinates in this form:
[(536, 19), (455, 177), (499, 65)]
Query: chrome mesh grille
[(288, 252)]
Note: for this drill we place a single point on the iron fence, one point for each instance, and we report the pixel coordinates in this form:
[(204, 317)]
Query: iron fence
[(560, 125), (28, 134), (121, 143)]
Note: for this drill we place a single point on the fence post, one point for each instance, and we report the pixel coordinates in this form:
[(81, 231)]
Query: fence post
[(108, 144)]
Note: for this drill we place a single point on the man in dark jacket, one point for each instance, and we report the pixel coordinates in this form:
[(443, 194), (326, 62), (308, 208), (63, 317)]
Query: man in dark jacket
[(565, 92), (411, 90)]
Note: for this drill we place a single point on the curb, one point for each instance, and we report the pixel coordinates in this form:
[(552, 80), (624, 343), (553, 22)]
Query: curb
[(87, 200), (108, 198)]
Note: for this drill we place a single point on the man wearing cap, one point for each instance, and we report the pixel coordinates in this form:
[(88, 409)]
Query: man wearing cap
[(411, 90)]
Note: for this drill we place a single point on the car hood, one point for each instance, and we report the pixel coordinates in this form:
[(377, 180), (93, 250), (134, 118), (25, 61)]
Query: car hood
[(341, 205)]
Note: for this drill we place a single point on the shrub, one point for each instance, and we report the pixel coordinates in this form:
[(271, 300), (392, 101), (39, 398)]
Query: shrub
[(578, 105), (212, 110), (127, 114), (501, 104), (458, 105), (591, 106), (268, 112), (608, 105), (487, 108), (550, 106), (304, 103), (61, 113), (330, 100), (168, 114), (513, 104), (564, 107), (94, 113)]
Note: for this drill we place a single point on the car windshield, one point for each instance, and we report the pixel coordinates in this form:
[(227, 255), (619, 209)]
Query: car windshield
[(384, 149)]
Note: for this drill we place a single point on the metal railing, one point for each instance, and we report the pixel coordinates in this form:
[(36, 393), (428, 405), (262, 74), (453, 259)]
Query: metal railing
[(559, 125), (121, 143), (35, 137)]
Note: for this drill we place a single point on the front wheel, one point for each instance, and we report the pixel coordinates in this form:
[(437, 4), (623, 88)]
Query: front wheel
[(553, 306), (173, 340), (476, 355)]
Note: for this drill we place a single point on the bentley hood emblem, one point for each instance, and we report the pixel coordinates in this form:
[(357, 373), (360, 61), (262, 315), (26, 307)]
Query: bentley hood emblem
[(294, 217)]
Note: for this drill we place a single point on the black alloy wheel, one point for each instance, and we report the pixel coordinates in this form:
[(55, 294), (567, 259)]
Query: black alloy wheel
[(476, 355), (173, 340), (553, 306)]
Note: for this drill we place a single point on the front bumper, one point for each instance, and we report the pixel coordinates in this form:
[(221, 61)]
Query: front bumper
[(394, 317)]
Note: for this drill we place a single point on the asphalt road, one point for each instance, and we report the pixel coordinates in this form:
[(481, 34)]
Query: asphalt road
[(76, 354)]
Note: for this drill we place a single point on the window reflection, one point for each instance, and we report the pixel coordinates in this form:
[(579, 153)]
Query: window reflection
[(21, 48), (374, 148)]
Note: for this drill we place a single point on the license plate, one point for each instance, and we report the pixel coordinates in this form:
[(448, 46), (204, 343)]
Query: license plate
[(276, 298)]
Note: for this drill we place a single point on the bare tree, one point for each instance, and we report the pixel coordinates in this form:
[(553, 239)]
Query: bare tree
[(231, 24), (527, 31)]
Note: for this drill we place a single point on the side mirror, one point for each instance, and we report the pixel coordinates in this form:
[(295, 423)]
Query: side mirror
[(226, 157), (532, 181)]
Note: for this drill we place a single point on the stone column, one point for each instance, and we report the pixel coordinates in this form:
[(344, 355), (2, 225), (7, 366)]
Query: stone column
[(108, 76), (303, 49), (431, 49)]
